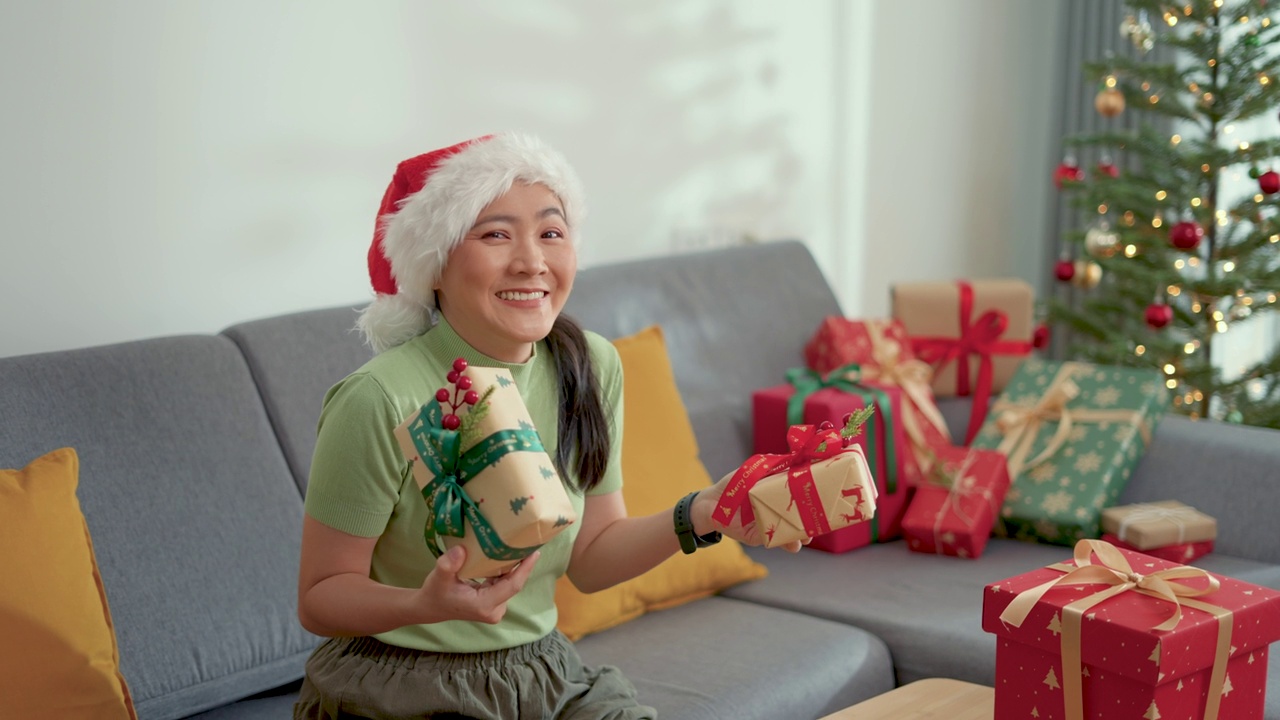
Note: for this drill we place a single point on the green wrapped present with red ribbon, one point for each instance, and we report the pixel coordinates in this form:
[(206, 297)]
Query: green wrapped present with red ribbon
[(809, 398), (488, 483)]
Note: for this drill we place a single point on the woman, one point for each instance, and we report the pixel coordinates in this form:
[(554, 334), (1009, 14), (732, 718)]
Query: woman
[(485, 234)]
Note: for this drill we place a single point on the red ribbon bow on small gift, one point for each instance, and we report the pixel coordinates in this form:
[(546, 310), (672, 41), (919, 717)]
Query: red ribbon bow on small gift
[(979, 337), (808, 445)]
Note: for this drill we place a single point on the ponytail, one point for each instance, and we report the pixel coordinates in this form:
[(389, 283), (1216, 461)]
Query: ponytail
[(583, 435)]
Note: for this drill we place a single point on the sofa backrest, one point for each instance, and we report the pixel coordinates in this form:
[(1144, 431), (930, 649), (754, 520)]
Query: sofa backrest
[(192, 510)]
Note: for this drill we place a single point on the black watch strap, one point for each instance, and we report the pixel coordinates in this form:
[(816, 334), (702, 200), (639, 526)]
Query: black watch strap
[(683, 518)]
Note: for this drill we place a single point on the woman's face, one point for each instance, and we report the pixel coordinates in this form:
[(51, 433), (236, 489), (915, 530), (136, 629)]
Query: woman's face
[(506, 282)]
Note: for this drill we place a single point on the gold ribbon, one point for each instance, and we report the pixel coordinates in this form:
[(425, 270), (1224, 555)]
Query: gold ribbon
[(1145, 512), (1021, 422), (915, 377), (1113, 569)]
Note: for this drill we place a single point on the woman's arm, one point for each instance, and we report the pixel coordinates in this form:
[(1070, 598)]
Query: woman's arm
[(337, 598)]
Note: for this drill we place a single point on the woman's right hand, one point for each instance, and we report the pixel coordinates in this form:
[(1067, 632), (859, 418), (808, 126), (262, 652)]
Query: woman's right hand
[(447, 597)]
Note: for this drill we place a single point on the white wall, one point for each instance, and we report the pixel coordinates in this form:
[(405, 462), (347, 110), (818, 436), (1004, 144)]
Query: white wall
[(179, 167)]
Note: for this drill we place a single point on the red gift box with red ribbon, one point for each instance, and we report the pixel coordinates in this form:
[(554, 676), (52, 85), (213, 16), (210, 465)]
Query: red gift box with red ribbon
[(806, 401), (879, 351), (1118, 634), (954, 510), (974, 334)]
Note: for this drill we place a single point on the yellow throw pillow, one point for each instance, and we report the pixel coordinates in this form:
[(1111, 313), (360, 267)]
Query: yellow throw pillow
[(660, 465), (58, 654)]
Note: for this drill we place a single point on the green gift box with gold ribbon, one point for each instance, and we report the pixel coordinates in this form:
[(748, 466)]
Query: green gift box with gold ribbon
[(488, 482), (1073, 433)]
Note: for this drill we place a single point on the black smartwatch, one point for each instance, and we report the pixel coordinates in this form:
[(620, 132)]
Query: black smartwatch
[(683, 516)]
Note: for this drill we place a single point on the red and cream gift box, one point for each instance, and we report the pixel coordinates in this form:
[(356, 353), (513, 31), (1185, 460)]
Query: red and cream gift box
[(954, 513), (879, 351), (881, 441), (1117, 634), (1179, 552), (973, 333)]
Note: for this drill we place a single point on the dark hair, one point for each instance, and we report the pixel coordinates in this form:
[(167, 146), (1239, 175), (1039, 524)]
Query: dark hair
[(583, 435)]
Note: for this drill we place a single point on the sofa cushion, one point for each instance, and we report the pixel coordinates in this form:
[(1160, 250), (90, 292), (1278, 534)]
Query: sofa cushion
[(927, 608), (720, 658), (195, 518), (659, 465), (713, 307), (295, 359), (60, 655)]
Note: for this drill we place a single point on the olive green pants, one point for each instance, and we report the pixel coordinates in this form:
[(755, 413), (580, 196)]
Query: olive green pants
[(367, 678)]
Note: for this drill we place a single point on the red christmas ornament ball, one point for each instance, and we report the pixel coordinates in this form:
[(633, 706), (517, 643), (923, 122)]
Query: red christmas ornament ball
[(1067, 172), (1186, 235), (1040, 337), (1158, 315), (1109, 169), (1064, 270), (1269, 181)]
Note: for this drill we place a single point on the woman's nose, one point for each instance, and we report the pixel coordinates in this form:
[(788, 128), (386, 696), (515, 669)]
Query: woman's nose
[(529, 257)]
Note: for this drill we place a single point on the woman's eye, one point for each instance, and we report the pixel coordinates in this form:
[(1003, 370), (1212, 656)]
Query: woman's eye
[(552, 234), (495, 234)]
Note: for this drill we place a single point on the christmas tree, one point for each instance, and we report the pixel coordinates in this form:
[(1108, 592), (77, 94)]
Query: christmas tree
[(1182, 237)]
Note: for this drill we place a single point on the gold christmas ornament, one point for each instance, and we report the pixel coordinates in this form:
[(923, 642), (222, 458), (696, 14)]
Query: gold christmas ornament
[(1088, 274), (1101, 241), (1109, 102)]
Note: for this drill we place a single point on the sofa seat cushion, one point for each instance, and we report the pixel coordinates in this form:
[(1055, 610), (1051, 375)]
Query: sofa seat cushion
[(927, 608), (722, 658)]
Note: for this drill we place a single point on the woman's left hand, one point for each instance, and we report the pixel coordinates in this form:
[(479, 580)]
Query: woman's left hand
[(749, 534)]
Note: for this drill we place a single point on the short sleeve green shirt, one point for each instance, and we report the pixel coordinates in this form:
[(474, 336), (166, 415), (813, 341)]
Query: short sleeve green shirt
[(361, 483)]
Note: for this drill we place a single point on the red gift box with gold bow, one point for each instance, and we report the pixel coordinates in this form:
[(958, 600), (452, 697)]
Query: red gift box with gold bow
[(878, 351), (954, 511), (1118, 634), (974, 334)]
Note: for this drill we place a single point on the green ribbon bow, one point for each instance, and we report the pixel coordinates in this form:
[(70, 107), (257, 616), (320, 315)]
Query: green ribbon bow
[(807, 382), (446, 497)]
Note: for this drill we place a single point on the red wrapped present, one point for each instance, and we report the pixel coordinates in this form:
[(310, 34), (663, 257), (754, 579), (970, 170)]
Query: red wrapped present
[(879, 351), (819, 484), (807, 401), (1118, 634), (953, 512), (1178, 552), (974, 335)]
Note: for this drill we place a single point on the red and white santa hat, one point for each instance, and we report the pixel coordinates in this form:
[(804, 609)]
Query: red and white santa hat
[(432, 201)]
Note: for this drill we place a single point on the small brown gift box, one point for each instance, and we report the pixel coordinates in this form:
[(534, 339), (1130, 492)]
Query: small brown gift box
[(1152, 525), (843, 493), (507, 509)]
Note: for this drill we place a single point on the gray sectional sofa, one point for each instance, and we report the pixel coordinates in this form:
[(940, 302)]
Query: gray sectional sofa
[(195, 452)]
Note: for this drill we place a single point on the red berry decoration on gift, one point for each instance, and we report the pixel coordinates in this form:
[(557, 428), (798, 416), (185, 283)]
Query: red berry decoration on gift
[(1068, 171), (1158, 315), (1269, 182), (1064, 270), (451, 422), (461, 395), (1108, 168), (1186, 235), (471, 398)]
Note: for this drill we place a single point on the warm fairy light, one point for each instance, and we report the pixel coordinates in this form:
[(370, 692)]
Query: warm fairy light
[(1275, 238), (1271, 297), (1160, 194), (1130, 250), (1217, 316), (1221, 327), (1156, 222), (1177, 400), (1222, 220), (1246, 300), (1195, 307), (1154, 99), (1228, 266), (1204, 167), (1189, 348), (1266, 22), (1146, 86), (1186, 10), (1128, 218), (1212, 62), (1175, 139), (1244, 146), (1102, 209), (1263, 80), (1195, 202), (1193, 262), (1111, 81), (1199, 396), (1174, 290), (1139, 350), (1258, 198), (1171, 383), (1193, 87), (1244, 19), (1179, 263), (1171, 19), (1228, 129), (1169, 369), (1217, 3)]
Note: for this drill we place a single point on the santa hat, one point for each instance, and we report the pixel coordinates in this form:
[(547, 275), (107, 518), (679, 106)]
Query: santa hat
[(432, 201)]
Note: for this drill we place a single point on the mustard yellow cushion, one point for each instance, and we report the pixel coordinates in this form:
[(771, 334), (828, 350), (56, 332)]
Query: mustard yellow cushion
[(660, 465), (58, 654)]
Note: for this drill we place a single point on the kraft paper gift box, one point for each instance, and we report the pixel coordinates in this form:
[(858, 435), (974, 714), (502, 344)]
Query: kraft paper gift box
[(1073, 433), (882, 441), (491, 488), (1180, 553), (973, 333), (1125, 635), (816, 487), (879, 351), (1145, 526), (953, 512)]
